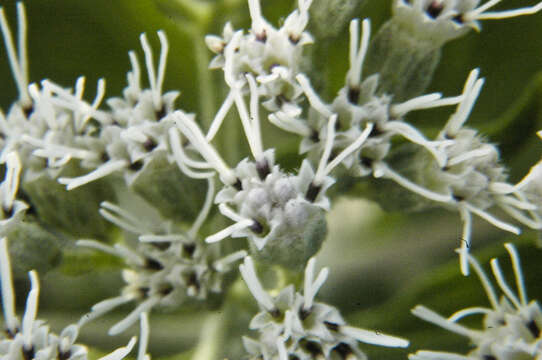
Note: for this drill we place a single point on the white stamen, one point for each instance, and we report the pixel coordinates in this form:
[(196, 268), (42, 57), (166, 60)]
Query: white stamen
[(467, 312), (154, 82), (432, 355), (10, 185), (428, 315), (313, 98), (222, 234), (382, 170), (19, 64), (161, 66), (307, 282), (488, 288), (229, 61), (423, 102), (258, 22), (279, 343), (519, 204), (143, 336), (93, 244), (109, 304), (130, 256), (222, 264), (478, 14), (289, 124), (124, 324), (311, 288), (410, 133), (330, 137), (122, 352), (371, 337), (517, 272), (249, 275), (493, 220), (220, 116), (31, 310), (50, 150), (466, 239), (350, 149), (484, 151), (534, 223), (8, 296), (162, 238), (230, 213), (357, 57), (134, 77), (102, 171), (470, 92), (121, 218), (255, 115), (253, 138), (502, 283), (191, 130), (182, 160)]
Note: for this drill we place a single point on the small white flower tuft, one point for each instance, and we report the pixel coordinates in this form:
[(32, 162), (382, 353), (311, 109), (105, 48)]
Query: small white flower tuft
[(293, 325), (167, 268), (443, 20), (30, 338)]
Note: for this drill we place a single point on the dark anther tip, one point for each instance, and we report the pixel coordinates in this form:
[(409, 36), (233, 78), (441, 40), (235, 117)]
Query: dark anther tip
[(434, 9), (136, 165), (238, 185), (262, 167), (312, 192), (353, 95), (149, 144), (256, 227)]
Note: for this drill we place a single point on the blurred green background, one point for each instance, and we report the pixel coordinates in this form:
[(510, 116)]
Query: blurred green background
[(382, 264)]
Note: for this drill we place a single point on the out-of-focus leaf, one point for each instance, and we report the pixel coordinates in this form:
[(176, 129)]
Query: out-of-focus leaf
[(78, 262), (515, 131)]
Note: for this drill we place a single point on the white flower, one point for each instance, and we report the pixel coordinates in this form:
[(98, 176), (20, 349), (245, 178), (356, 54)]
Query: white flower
[(280, 214), (18, 60), (443, 20), (472, 175), (272, 56), (511, 327), (359, 109), (293, 325), (138, 127), (167, 267), (30, 338)]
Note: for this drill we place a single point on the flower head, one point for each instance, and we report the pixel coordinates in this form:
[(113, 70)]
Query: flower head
[(31, 338), (166, 268), (293, 325), (443, 20)]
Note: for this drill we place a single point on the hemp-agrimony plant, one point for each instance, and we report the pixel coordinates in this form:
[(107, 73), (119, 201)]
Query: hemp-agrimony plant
[(134, 184)]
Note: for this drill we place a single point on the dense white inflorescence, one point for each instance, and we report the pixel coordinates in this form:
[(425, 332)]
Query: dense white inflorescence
[(292, 325), (147, 155)]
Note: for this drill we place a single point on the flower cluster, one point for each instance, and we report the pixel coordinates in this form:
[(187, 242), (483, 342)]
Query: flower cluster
[(142, 164), (445, 20), (166, 268), (273, 56), (293, 325), (511, 327), (31, 338)]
